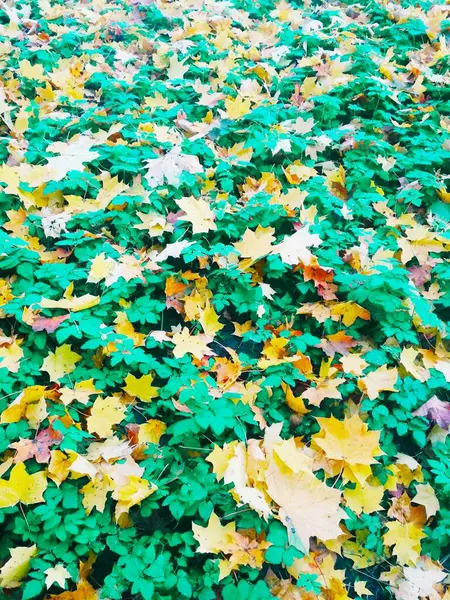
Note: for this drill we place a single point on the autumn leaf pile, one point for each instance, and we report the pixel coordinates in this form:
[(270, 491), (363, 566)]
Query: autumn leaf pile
[(224, 300)]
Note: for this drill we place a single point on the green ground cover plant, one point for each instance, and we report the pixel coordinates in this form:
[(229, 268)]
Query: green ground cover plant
[(224, 300)]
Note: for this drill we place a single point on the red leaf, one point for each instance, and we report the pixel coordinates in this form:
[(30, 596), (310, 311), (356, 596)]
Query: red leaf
[(50, 324), (39, 448)]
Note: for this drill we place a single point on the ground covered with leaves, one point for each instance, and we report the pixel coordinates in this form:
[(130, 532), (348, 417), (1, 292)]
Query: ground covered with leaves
[(224, 294)]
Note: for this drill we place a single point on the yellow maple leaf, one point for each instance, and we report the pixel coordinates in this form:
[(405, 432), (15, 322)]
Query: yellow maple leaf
[(241, 328), (73, 304), (81, 392), (248, 550), (177, 68), (220, 458), (408, 359), (95, 493), (30, 71), (361, 557), (158, 101), (154, 223), (151, 431), (61, 362), (237, 107), (241, 549), (22, 487), (209, 320), (349, 312), (295, 403), (327, 388), (198, 213), (193, 305), (124, 327), (364, 498), (132, 493), (381, 380), (82, 466), (406, 470), (426, 496), (101, 267), (349, 446), (25, 404), (185, 343), (288, 456), (335, 180), (275, 348), (354, 364), (423, 580), (256, 244), (295, 248), (15, 569), (308, 507), (405, 537), (141, 387), (105, 413), (237, 152), (111, 187), (319, 311), (439, 361), (310, 87), (298, 172), (10, 357), (215, 537), (21, 122), (59, 466), (294, 198)]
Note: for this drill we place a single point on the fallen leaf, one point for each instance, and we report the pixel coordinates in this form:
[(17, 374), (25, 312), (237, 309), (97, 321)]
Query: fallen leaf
[(61, 362), (364, 498), (256, 244), (418, 582), (405, 539), (354, 364), (426, 496), (105, 413), (209, 320), (185, 343), (151, 431), (48, 324), (349, 312), (132, 493), (408, 358), (295, 248), (308, 507), (380, 380), (361, 589), (170, 167), (237, 107), (22, 487), (140, 387), (10, 357), (435, 410), (349, 445), (39, 447), (15, 569), (198, 212), (56, 575), (328, 388)]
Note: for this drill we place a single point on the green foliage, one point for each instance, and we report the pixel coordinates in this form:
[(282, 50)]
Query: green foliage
[(117, 118)]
